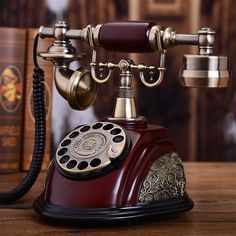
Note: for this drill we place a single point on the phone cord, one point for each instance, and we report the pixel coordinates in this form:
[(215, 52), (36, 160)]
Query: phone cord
[(40, 135)]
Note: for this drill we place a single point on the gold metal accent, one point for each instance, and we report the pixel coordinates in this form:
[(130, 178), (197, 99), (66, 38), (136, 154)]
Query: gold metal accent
[(206, 39), (46, 32), (205, 71), (96, 31), (168, 37), (61, 50), (93, 144), (61, 56), (153, 37), (165, 179), (93, 65), (77, 87), (125, 108), (139, 118), (161, 69)]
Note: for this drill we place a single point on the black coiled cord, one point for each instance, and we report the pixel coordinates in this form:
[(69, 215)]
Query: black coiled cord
[(40, 136)]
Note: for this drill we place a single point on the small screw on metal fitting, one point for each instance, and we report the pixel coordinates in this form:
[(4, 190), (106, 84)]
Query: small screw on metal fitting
[(125, 64)]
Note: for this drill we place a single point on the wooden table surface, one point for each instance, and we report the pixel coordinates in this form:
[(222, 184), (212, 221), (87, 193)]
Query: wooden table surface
[(212, 186)]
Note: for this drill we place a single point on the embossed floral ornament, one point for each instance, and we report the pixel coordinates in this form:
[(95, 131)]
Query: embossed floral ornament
[(164, 180)]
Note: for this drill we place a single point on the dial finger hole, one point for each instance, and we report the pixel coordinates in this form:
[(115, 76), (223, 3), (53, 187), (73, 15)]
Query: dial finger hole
[(118, 139), (65, 142), (85, 128), (71, 164), (64, 159), (97, 126), (62, 151), (108, 126), (74, 134), (82, 165), (115, 131), (95, 162)]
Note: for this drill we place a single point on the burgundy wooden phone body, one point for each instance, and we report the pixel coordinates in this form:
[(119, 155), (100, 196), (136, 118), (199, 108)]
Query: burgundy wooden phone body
[(112, 196), (119, 187)]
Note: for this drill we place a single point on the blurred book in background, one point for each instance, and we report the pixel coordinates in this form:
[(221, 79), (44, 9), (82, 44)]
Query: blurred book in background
[(16, 100), (12, 79)]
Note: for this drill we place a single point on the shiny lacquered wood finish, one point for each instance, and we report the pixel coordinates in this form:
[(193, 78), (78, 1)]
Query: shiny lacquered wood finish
[(120, 186), (126, 36)]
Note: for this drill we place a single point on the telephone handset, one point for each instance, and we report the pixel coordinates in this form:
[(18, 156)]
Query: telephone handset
[(123, 167)]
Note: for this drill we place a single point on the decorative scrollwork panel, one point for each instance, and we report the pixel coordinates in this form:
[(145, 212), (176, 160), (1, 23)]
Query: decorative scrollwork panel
[(165, 179)]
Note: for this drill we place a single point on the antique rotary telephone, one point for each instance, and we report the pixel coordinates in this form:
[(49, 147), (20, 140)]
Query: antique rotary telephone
[(123, 167)]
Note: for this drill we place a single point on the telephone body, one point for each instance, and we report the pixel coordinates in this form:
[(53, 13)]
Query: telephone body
[(145, 179), (122, 168)]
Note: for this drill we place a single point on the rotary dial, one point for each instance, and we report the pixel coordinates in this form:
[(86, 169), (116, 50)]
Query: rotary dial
[(90, 148)]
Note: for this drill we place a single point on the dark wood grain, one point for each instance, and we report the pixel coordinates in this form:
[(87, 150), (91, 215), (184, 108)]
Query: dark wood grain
[(211, 185)]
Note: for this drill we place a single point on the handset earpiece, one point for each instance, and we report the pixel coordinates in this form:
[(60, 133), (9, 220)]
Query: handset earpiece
[(77, 87)]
